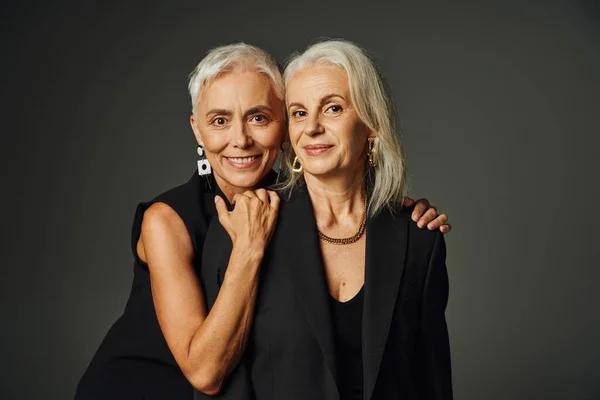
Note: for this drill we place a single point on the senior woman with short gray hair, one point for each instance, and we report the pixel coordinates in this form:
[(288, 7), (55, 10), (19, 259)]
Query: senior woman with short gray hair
[(352, 294), (173, 336)]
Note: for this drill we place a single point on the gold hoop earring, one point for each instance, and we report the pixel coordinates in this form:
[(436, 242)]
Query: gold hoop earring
[(372, 151), (298, 169)]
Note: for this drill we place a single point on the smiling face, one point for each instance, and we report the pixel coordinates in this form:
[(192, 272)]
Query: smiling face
[(325, 130), (240, 123)]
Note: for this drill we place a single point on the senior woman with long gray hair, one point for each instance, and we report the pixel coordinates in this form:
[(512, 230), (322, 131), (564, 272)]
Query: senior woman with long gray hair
[(352, 294), (172, 337)]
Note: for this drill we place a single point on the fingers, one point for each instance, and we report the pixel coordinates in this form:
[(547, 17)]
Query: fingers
[(274, 210), (248, 194), (253, 219), (420, 207), (274, 200), (266, 197), (438, 222), (429, 216), (251, 194), (262, 195), (237, 197), (222, 210), (445, 228), (407, 201)]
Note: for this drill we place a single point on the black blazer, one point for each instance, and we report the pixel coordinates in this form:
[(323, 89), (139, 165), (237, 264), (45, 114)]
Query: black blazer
[(290, 353)]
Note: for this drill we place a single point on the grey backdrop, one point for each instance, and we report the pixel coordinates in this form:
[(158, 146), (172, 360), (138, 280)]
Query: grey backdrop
[(499, 105)]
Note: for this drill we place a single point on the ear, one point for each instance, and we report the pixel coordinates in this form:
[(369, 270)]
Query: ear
[(368, 132), (196, 130)]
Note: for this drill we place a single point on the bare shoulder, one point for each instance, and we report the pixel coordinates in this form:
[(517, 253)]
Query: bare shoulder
[(163, 230), (160, 215)]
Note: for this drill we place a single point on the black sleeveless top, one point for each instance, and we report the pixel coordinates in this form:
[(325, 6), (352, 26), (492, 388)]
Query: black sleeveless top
[(134, 360), (347, 325)]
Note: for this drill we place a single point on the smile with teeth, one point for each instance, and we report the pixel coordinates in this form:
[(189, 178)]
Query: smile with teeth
[(242, 160)]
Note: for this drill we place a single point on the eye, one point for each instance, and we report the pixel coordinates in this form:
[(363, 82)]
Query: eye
[(299, 114), (334, 108), (259, 118), (219, 121)]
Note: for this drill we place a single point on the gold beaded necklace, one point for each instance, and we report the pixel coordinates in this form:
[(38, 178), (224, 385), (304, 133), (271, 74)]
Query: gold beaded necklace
[(351, 239)]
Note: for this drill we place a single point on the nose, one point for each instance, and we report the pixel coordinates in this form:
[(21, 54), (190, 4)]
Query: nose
[(313, 125), (241, 137)]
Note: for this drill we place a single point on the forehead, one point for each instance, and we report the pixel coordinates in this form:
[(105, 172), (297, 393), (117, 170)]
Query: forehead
[(317, 81), (238, 88)]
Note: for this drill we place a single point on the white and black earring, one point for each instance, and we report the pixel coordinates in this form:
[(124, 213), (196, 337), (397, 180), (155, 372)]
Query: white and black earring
[(203, 164)]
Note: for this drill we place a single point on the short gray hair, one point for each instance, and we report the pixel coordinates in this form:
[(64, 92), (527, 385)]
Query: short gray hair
[(228, 58), (387, 181)]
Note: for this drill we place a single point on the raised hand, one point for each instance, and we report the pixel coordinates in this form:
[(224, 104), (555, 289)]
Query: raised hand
[(252, 222)]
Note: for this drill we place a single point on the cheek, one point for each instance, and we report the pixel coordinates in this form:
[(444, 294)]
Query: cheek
[(212, 159), (269, 138), (294, 132), (214, 142), (354, 139)]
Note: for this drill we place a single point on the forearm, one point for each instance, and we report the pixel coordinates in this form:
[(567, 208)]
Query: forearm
[(219, 342)]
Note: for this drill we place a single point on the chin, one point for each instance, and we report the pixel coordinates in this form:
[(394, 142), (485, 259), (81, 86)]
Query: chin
[(320, 169), (245, 180)]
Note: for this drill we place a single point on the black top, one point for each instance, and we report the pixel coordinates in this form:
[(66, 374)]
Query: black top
[(291, 351), (134, 360), (347, 328)]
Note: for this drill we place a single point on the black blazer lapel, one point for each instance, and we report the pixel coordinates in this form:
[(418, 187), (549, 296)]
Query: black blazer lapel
[(303, 256), (386, 251)]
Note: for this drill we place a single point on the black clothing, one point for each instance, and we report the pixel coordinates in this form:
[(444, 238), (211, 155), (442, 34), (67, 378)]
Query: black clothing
[(134, 361), (347, 328), (291, 351)]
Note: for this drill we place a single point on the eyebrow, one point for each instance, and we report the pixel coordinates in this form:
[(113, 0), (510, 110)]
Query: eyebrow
[(257, 109), (253, 110), (324, 100), (220, 111)]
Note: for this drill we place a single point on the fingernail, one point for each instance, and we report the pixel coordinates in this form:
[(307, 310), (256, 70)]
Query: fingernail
[(431, 225), (420, 224), (416, 217), (216, 199)]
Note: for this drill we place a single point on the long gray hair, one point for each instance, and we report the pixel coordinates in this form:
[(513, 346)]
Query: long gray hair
[(386, 182)]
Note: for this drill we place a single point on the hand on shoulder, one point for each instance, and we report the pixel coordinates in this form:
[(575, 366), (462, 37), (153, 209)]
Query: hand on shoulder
[(426, 215)]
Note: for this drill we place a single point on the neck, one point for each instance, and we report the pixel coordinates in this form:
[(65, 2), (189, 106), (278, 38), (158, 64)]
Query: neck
[(229, 190), (336, 200)]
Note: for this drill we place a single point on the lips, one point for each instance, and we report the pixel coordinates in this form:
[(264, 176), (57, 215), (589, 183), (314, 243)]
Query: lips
[(317, 149), (243, 162)]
